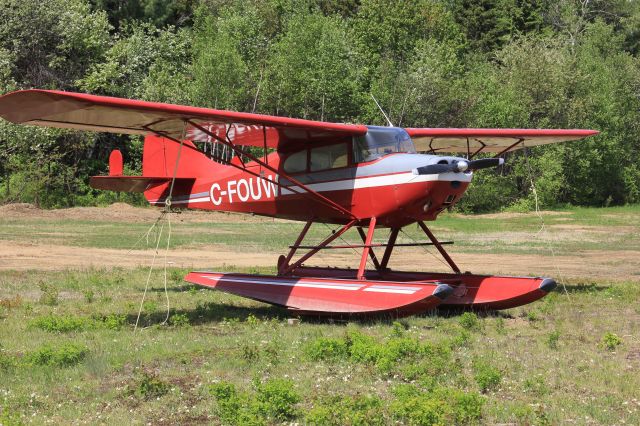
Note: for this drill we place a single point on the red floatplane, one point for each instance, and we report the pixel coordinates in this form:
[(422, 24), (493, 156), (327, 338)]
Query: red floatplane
[(366, 177)]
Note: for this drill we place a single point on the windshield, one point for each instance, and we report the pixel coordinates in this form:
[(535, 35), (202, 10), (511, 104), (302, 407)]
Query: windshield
[(380, 141)]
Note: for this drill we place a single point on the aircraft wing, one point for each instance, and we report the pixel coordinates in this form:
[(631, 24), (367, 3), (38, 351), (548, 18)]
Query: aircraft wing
[(490, 140), (82, 111)]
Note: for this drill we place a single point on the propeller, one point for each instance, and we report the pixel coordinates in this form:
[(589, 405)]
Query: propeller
[(459, 166)]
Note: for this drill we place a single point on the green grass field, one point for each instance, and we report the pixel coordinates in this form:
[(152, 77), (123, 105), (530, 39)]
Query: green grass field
[(69, 353)]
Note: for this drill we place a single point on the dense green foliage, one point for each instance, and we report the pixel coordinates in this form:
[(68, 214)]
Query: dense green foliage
[(466, 63)]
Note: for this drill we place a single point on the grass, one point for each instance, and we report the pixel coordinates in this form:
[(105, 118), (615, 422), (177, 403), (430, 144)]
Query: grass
[(223, 358), (69, 353)]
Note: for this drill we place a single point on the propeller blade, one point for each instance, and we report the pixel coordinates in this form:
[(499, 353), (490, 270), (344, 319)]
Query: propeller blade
[(434, 169), (458, 166), (485, 163)]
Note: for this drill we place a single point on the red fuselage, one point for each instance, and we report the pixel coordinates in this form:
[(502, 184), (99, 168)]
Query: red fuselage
[(384, 187)]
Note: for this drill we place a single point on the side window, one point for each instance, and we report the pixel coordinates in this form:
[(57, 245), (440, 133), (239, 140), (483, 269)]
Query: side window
[(296, 162), (329, 157)]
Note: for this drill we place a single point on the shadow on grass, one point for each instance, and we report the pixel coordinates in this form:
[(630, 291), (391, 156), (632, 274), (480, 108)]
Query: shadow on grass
[(211, 312), (176, 288), (582, 288)]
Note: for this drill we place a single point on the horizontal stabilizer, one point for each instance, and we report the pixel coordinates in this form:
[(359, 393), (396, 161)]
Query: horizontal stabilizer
[(132, 183)]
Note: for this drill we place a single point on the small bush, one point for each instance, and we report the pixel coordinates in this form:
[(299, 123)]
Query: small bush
[(441, 406), (65, 355), (60, 323), (179, 320), (89, 296), (7, 362), (326, 349), (252, 320), (49, 294), (69, 323), (9, 418), (274, 399), (500, 325), (149, 387), (113, 321), (469, 321), (398, 328), (11, 302), (610, 341), (536, 385), (532, 316), (552, 339), (340, 410), (250, 352), (487, 377)]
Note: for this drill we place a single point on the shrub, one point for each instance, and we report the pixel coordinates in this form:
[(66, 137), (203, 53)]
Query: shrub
[(60, 323), (487, 377), (11, 302), (179, 320), (69, 323), (252, 320), (552, 339), (65, 355), (339, 410), (470, 321), (89, 296), (441, 406), (113, 321), (398, 328), (9, 418), (536, 385), (7, 362), (610, 341), (49, 294), (326, 349), (276, 399), (273, 399), (500, 325), (250, 352), (150, 386)]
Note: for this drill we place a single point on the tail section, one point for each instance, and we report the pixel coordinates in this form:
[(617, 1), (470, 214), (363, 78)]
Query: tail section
[(162, 159)]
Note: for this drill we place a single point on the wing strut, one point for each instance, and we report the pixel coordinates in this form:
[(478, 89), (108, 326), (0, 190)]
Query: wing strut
[(296, 182)]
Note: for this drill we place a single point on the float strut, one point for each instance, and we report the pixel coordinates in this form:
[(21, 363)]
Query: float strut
[(372, 254), (367, 248), (289, 268), (441, 249), (390, 244), (283, 265)]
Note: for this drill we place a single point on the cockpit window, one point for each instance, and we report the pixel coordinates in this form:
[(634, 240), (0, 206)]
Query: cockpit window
[(296, 162), (380, 141), (329, 157)]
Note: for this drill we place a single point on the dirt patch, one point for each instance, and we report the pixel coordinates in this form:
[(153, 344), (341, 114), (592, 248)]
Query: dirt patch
[(54, 255), (616, 265), (122, 212), (516, 215)]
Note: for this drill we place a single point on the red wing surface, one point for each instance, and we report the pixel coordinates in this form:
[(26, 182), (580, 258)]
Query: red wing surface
[(116, 115)]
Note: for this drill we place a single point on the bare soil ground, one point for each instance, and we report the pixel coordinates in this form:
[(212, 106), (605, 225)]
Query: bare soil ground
[(20, 255)]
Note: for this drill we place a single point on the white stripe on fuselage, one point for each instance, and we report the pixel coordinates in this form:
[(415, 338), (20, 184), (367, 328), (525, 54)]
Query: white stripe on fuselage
[(376, 181), (337, 185)]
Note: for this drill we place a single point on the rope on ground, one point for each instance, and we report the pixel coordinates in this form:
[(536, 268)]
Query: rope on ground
[(146, 286), (543, 228)]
